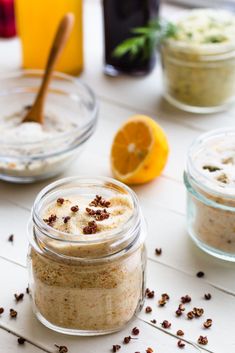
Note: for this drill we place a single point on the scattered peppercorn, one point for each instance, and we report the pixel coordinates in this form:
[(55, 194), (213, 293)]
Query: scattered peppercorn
[(165, 296), (200, 274), (11, 238), (147, 290), (127, 339), (116, 347), (91, 228), (166, 324), (186, 299), (162, 302), (74, 208), (61, 349), (181, 344), (21, 340), (158, 251), (1, 311), (181, 307), (180, 333), (66, 219), (207, 296), (19, 297), (178, 312), (149, 293), (198, 312), (202, 340), (148, 309), (190, 315), (60, 201), (99, 201), (135, 331), (149, 350), (153, 321), (13, 313), (207, 323)]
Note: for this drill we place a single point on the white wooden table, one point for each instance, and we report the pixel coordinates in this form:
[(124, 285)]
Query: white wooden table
[(163, 203)]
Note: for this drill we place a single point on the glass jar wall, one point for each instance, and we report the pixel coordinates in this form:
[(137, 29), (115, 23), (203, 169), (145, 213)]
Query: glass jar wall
[(87, 269), (210, 192), (199, 80)]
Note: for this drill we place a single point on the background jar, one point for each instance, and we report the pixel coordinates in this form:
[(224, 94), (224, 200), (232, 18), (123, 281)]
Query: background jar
[(198, 78), (210, 206), (86, 287)]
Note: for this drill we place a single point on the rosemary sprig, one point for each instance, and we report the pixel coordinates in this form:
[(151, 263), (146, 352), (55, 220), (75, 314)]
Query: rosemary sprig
[(146, 39)]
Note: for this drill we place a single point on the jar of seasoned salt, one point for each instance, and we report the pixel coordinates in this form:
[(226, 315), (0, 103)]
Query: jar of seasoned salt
[(87, 256)]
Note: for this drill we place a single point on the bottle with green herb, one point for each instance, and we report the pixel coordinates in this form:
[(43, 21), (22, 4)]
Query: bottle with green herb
[(120, 17)]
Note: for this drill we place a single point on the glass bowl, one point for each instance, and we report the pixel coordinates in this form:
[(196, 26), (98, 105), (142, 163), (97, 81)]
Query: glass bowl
[(28, 161)]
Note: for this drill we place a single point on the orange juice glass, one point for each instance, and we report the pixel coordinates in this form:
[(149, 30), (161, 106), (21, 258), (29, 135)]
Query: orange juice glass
[(37, 21)]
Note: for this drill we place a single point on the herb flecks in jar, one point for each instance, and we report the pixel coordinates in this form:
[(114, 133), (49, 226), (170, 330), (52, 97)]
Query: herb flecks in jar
[(198, 61), (211, 201), (96, 279)]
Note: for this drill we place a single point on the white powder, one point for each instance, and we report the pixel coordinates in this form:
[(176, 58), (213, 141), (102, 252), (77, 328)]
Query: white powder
[(22, 142), (14, 131)]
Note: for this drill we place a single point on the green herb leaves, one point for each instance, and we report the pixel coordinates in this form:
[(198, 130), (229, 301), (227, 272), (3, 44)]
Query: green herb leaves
[(146, 39)]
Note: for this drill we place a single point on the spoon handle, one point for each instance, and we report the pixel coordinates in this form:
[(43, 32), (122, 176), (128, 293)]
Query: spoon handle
[(59, 42)]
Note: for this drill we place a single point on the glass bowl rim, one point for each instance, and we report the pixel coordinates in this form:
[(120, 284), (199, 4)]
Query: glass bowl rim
[(74, 80)]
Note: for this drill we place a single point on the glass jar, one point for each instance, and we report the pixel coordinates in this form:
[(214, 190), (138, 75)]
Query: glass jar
[(211, 193), (198, 78), (86, 284)]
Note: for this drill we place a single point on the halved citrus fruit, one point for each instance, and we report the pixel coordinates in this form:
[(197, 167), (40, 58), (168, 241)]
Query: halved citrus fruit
[(139, 150)]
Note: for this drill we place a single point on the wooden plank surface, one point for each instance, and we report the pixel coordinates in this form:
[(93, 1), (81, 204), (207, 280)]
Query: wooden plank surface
[(9, 344), (163, 204)]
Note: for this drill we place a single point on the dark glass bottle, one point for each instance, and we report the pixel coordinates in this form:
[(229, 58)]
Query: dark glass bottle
[(120, 16)]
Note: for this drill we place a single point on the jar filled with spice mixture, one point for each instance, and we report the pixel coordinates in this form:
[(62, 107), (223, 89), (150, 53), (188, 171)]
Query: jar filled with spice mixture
[(210, 182), (198, 61), (87, 256)]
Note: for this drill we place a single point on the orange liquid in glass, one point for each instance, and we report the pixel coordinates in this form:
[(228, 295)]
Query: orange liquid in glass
[(37, 21)]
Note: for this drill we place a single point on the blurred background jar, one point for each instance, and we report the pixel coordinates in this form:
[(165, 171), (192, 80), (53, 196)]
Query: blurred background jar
[(120, 17), (37, 21), (7, 19)]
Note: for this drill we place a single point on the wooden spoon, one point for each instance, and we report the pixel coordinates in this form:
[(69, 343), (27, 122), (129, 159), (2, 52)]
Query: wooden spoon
[(36, 112)]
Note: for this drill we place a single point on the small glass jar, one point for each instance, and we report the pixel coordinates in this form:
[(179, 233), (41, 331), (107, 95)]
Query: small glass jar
[(198, 78), (210, 195), (90, 284)]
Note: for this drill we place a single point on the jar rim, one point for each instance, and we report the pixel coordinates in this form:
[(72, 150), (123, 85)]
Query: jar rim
[(117, 233), (207, 52), (201, 179)]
